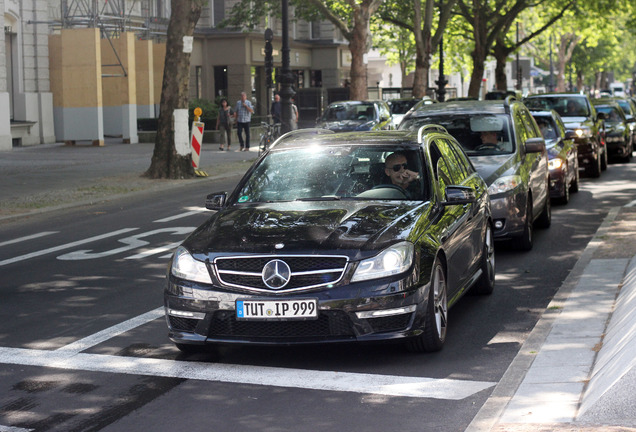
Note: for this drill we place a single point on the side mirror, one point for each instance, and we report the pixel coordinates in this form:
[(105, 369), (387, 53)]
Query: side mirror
[(570, 135), (600, 116), (215, 201), (535, 145), (458, 195)]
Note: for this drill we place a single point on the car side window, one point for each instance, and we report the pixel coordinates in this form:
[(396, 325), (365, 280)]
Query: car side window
[(441, 169), (520, 128), (456, 165)]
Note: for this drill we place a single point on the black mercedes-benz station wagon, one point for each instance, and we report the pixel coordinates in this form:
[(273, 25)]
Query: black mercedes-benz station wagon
[(336, 237)]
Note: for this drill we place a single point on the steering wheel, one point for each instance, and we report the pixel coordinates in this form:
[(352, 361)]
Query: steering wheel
[(487, 146), (391, 186)]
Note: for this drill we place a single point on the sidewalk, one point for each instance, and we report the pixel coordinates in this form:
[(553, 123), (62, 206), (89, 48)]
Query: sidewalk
[(41, 177), (576, 372)]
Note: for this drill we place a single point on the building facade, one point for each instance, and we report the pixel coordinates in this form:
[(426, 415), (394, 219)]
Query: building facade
[(26, 102)]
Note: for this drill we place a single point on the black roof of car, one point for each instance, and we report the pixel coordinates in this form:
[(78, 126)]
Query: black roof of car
[(308, 137), (457, 107), (555, 95)]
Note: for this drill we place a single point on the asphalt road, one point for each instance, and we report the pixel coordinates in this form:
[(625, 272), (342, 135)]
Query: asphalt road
[(83, 343)]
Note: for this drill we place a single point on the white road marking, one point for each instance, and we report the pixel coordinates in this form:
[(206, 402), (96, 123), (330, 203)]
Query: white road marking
[(109, 333), (13, 429), (193, 211), (388, 385), (146, 253), (64, 246), (21, 239), (131, 242), (631, 204)]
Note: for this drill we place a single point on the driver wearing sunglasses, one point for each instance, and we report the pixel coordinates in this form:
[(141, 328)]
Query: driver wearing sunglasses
[(396, 168)]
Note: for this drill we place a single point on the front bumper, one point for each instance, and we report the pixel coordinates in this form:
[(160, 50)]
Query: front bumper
[(617, 145), (198, 315), (508, 213), (588, 153)]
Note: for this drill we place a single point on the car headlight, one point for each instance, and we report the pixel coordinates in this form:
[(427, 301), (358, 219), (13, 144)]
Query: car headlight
[(184, 266), (393, 260), (583, 132), (504, 184), (555, 163)]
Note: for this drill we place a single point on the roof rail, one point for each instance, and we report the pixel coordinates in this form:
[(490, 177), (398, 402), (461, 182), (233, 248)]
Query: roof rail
[(434, 127), (509, 99), (307, 131)]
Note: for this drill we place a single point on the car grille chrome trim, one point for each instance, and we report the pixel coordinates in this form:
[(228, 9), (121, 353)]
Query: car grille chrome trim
[(307, 271)]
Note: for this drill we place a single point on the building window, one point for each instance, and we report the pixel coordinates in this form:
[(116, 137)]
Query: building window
[(218, 11), (315, 30)]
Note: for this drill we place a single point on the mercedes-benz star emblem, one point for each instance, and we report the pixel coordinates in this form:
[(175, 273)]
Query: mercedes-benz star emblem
[(276, 274)]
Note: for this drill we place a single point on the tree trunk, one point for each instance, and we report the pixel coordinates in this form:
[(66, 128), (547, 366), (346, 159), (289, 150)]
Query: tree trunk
[(359, 45), (501, 55), (171, 157)]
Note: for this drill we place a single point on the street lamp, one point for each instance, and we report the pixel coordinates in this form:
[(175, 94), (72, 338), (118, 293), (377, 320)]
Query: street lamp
[(441, 82), (287, 79)]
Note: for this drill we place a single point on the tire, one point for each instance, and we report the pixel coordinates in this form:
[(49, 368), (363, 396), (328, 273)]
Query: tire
[(545, 219), (436, 319), (574, 186), (526, 240), (595, 170), (565, 198), (486, 283), (604, 160)]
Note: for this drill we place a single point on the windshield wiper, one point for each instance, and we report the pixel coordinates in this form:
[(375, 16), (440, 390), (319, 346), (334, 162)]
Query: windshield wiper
[(321, 198)]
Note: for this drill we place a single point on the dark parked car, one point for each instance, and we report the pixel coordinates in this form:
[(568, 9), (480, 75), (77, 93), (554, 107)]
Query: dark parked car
[(562, 155), (504, 143), (319, 243), (356, 116), (578, 113), (629, 108), (618, 136), (399, 107)]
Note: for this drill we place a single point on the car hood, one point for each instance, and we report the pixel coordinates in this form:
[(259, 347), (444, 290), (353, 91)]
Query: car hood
[(575, 122), (490, 168), (348, 125), (354, 228)]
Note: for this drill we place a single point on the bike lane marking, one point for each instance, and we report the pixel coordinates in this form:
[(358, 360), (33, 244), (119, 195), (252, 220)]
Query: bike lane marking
[(64, 246)]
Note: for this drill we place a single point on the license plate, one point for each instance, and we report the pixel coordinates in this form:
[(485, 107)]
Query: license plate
[(276, 309)]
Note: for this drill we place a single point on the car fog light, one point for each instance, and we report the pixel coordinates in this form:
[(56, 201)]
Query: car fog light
[(386, 312), (186, 314), (499, 224)]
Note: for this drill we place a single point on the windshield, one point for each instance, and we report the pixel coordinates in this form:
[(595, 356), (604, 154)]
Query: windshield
[(332, 173), (566, 106), (358, 112), (478, 134), (548, 129), (402, 106), (612, 114)]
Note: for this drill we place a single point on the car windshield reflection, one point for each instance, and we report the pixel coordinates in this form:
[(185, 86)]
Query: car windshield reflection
[(328, 173)]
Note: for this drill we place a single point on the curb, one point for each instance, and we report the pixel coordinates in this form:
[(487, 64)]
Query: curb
[(490, 413)]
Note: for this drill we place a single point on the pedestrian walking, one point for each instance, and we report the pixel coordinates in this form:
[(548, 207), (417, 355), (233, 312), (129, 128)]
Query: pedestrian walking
[(276, 109), (294, 117), (243, 114), (224, 123)]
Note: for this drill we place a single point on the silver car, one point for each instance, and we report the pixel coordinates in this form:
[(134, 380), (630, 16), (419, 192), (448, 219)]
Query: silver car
[(506, 147)]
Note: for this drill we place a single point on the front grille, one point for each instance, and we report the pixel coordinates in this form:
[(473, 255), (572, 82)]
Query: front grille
[(390, 323), (330, 324), (183, 324), (306, 271)]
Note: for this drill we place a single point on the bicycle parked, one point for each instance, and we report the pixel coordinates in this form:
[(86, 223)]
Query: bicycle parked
[(270, 133)]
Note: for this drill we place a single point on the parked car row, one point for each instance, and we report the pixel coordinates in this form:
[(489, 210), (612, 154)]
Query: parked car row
[(346, 236)]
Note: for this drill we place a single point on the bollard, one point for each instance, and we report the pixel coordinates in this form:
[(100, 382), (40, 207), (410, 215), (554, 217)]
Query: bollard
[(197, 140)]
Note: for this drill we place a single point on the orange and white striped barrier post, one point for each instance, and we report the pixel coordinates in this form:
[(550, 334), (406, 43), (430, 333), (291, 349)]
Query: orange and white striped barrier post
[(197, 141)]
